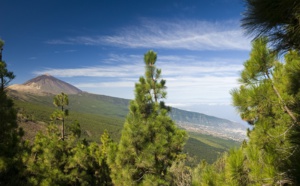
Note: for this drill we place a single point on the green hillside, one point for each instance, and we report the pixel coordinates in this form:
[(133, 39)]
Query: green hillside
[(97, 113), (201, 146), (92, 125)]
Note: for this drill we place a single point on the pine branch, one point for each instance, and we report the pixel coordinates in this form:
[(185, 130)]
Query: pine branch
[(285, 107)]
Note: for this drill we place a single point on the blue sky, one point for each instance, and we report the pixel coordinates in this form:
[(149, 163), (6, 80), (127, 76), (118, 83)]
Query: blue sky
[(98, 46)]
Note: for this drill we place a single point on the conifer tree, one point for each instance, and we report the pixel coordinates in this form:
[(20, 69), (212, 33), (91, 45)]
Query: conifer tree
[(150, 140), (5, 75), (61, 100), (10, 161), (264, 100), (268, 99), (205, 174), (276, 19)]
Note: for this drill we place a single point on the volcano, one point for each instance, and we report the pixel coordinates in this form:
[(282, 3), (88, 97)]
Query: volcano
[(46, 84)]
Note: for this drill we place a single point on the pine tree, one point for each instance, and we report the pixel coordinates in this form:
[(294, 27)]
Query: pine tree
[(61, 100), (268, 99), (5, 75), (276, 19), (10, 161), (268, 108), (150, 140), (263, 100)]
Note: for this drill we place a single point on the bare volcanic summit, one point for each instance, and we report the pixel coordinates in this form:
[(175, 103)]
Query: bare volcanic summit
[(46, 84)]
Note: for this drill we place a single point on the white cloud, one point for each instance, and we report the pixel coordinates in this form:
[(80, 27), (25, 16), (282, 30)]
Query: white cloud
[(118, 84), (190, 35), (200, 90), (172, 66), (98, 71), (190, 81), (183, 34)]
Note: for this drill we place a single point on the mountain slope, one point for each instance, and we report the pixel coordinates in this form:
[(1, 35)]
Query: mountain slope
[(117, 107), (205, 124), (97, 113)]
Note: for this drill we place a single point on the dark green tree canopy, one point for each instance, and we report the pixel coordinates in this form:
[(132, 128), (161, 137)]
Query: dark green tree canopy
[(268, 98), (10, 160), (5, 75), (279, 20), (150, 140)]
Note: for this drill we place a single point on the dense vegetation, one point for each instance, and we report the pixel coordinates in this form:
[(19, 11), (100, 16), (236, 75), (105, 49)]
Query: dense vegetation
[(268, 99), (87, 110), (10, 143)]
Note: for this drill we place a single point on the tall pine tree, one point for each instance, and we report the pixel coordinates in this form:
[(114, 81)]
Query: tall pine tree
[(150, 140), (263, 100), (268, 99), (61, 100), (10, 162)]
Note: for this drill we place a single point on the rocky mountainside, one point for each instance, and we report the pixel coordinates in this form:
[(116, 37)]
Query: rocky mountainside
[(47, 86)]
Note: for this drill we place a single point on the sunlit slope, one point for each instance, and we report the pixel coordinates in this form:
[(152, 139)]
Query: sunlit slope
[(97, 113)]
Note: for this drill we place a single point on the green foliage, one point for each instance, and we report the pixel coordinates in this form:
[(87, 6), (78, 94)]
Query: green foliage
[(61, 100), (267, 99), (235, 168), (270, 148), (75, 129), (94, 119), (10, 146), (276, 19), (150, 141), (70, 161), (5, 75), (181, 173), (256, 83), (210, 175), (92, 125), (53, 161)]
